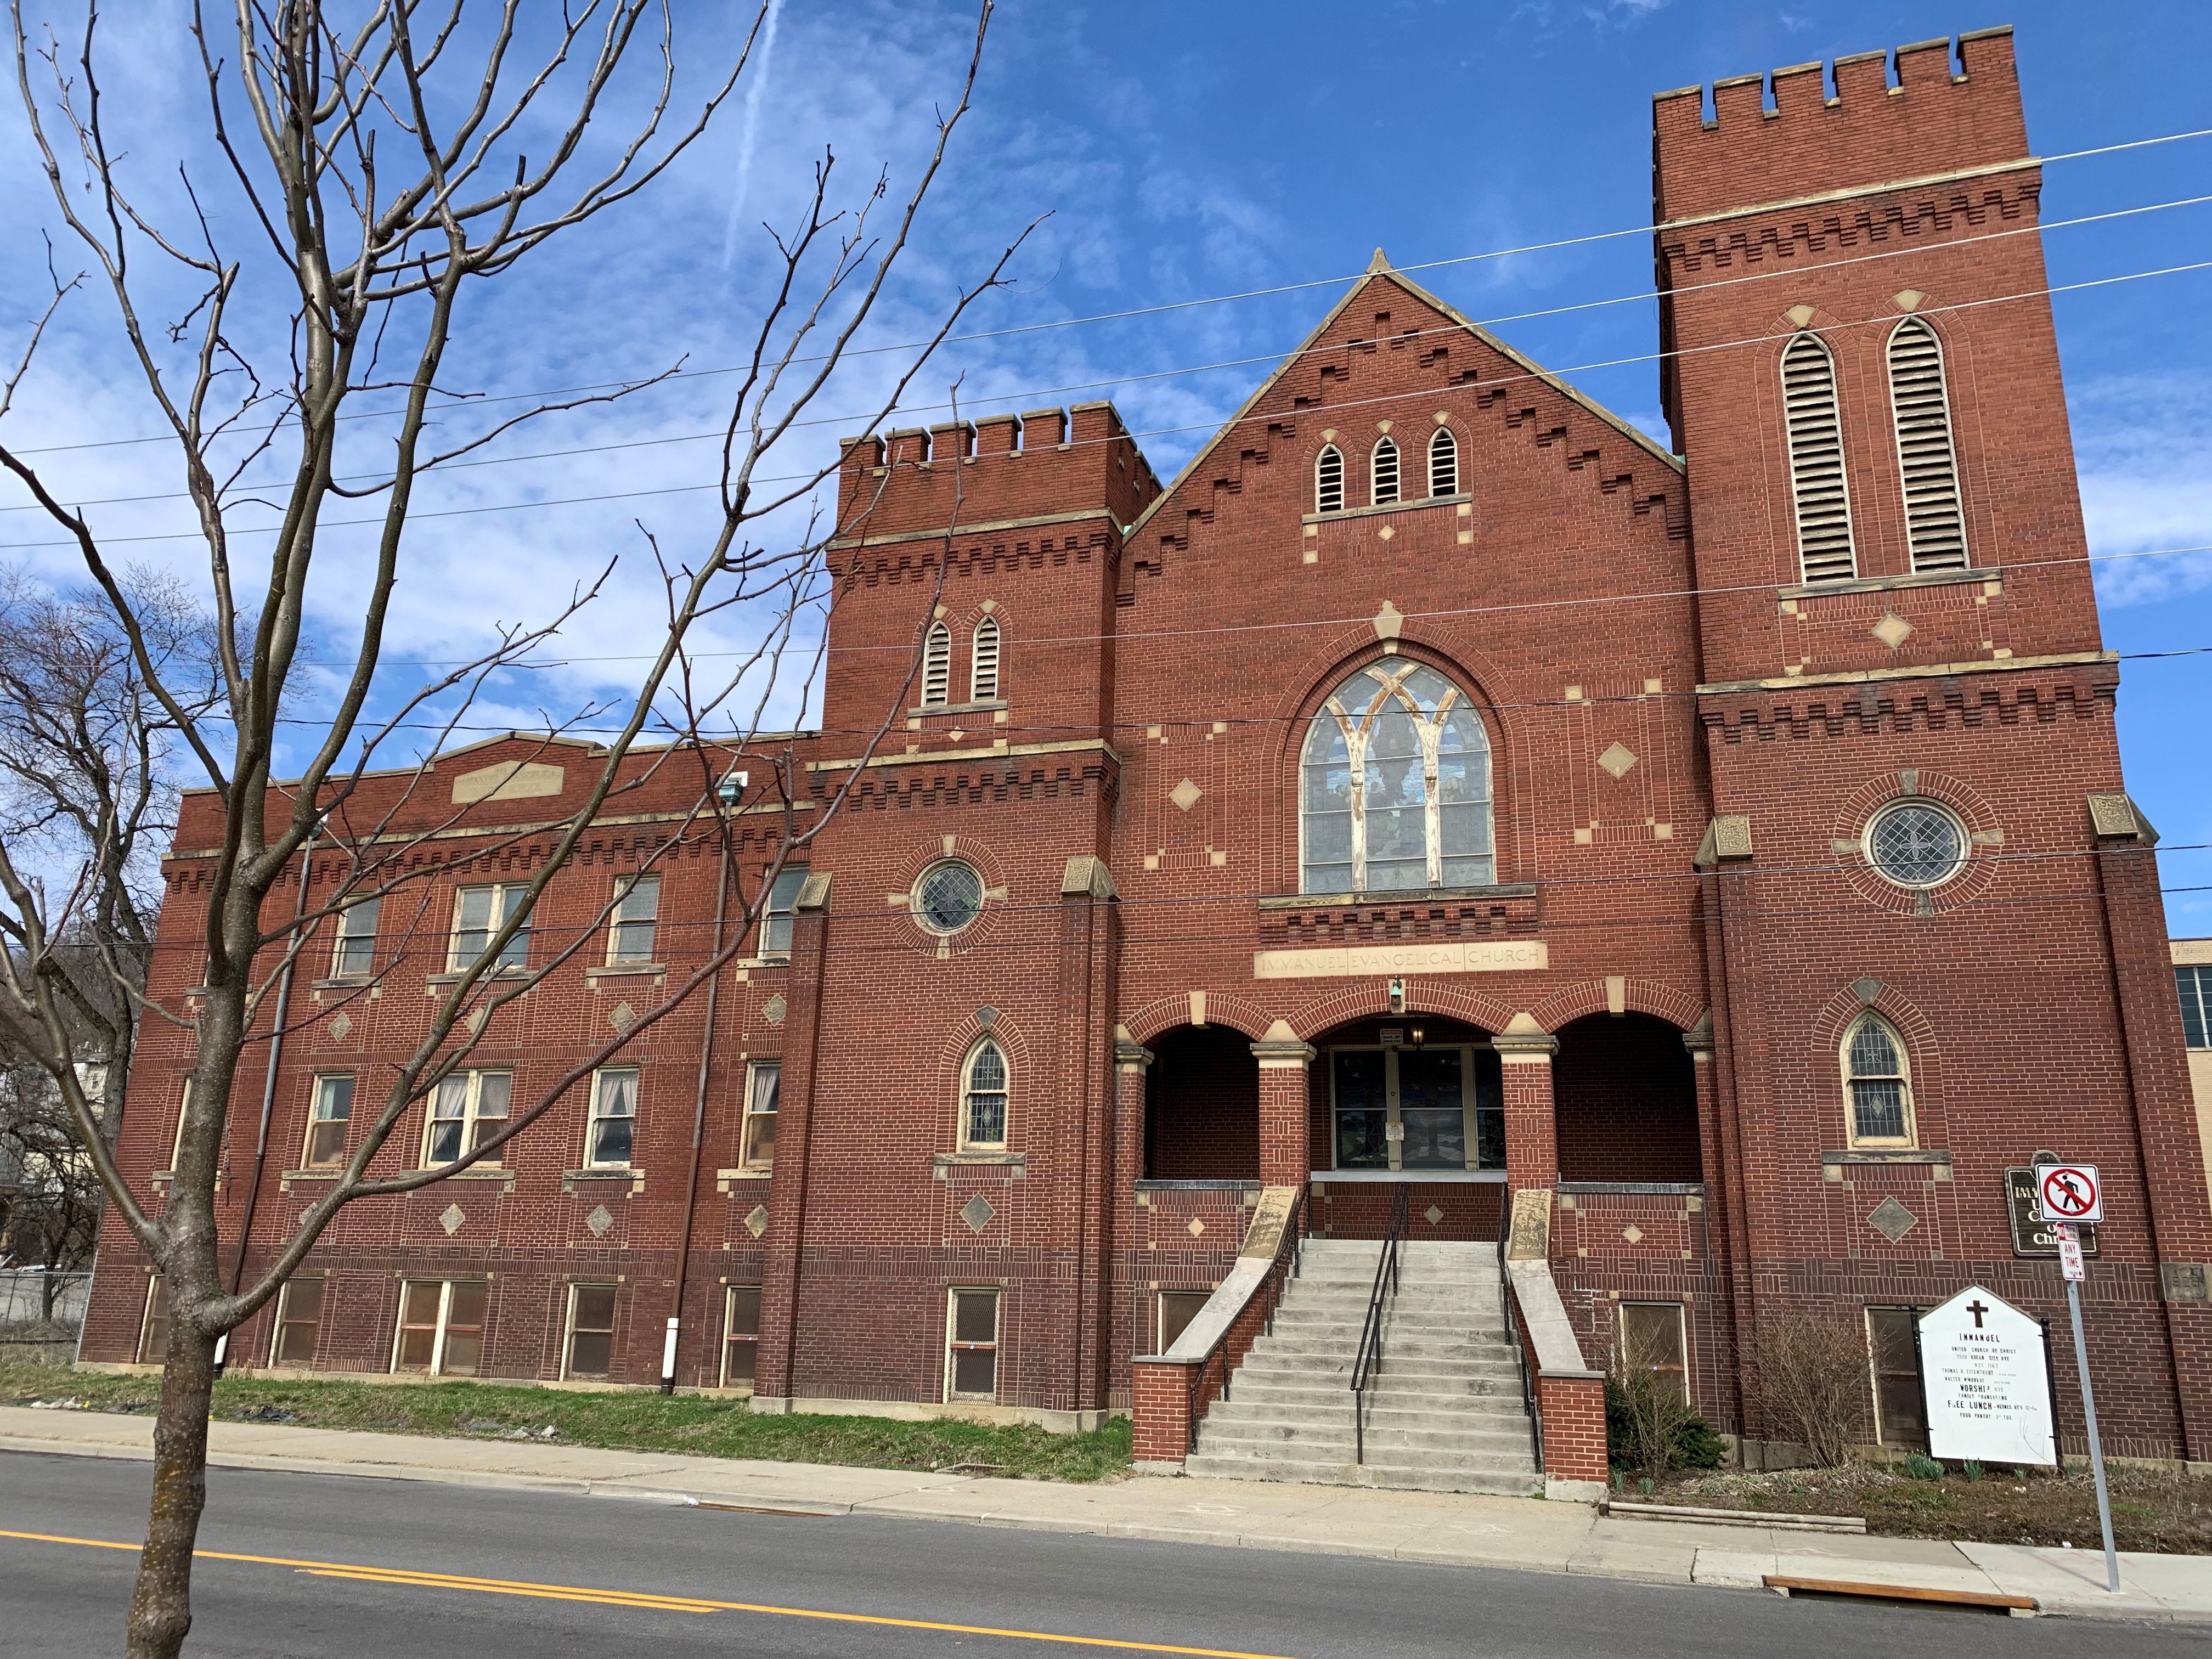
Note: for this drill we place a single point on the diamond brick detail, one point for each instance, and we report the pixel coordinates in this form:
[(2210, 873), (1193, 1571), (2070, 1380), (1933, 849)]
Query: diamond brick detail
[(1891, 1220), (342, 1027), (623, 1017), (598, 1221), (452, 1219), (977, 1213), (1892, 630), (1618, 759), (774, 1009), (1432, 1215), (756, 1220), (1632, 1233), (1197, 1228), (1185, 795)]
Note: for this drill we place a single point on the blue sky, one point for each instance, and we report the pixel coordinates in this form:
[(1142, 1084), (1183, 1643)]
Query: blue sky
[(1186, 151)]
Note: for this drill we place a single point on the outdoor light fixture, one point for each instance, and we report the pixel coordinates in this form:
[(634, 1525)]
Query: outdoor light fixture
[(732, 786), (1415, 1035), (1397, 996)]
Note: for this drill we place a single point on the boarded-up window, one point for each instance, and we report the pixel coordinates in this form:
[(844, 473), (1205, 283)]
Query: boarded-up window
[(1898, 1419), (972, 1359), (1651, 1334), (1178, 1309)]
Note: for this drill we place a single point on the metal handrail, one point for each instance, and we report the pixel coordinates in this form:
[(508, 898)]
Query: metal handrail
[(1370, 1333), (1507, 1303), (1293, 1241)]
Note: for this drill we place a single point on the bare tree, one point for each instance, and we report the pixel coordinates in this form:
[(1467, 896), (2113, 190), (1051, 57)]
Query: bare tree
[(375, 153), (1811, 1376)]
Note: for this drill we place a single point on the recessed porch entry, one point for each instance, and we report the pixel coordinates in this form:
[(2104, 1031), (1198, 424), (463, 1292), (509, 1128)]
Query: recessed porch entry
[(1400, 1107)]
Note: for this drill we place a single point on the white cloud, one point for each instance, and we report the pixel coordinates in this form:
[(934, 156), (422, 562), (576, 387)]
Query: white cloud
[(2144, 447)]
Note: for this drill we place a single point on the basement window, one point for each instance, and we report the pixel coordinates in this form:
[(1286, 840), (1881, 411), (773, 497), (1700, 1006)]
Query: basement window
[(1177, 1309), (1652, 1341), (591, 1330), (741, 1336), (971, 1359), (154, 1330), (1893, 1354), (441, 1324), (299, 1319)]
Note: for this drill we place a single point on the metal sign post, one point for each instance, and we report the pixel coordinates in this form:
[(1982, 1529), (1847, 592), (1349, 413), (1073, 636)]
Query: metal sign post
[(2068, 1195)]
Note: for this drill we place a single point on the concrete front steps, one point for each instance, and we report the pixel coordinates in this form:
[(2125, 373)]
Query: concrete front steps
[(1445, 1413)]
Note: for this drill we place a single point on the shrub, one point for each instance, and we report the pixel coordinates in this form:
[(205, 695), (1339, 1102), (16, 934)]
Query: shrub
[(1811, 1380), (1649, 1427), (1696, 1445), (1923, 1468)]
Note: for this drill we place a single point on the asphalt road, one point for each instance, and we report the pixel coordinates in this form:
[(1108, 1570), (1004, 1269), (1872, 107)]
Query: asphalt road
[(352, 1566)]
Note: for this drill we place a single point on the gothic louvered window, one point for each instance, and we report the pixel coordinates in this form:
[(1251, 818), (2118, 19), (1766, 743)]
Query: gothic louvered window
[(1386, 471), (1444, 463), (1881, 1091), (937, 666), (1934, 526), (1395, 786), (1329, 480), (1816, 461), (984, 662)]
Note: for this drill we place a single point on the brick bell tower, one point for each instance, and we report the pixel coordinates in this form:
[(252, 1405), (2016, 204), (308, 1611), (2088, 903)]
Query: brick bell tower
[(1920, 828)]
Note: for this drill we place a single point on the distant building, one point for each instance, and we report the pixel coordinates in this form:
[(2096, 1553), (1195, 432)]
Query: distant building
[(2192, 979), (1722, 847)]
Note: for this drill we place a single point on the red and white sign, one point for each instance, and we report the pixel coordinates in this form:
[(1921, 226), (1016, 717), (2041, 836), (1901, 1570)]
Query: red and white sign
[(2069, 1193), (2070, 1251)]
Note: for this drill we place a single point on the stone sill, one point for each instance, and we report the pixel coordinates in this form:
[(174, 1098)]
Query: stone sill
[(1887, 1155), (1201, 1186), (988, 705), (454, 977), (1461, 1177), (1886, 584), (368, 983), (1015, 1164), (1385, 900), (628, 1172), (724, 1177), (619, 969), (1386, 507), (1679, 1188)]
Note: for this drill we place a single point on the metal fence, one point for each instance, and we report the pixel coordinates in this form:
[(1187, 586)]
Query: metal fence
[(32, 1297)]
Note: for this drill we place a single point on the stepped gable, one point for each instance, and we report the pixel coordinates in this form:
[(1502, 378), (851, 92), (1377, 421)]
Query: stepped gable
[(1427, 348)]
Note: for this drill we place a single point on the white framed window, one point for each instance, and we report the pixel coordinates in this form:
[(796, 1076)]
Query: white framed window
[(299, 1321), (1329, 480), (1444, 463), (327, 1118), (2195, 987), (153, 1327), (984, 662), (1383, 472), (1395, 786), (983, 1093), (741, 1322), (1653, 1340), (464, 1108), (937, 666), (442, 1326), (353, 953), (1893, 1358), (971, 1345), (590, 1351), (631, 931), (183, 1110), (1813, 425), (1927, 458), (613, 1127), (1877, 1084), (763, 1089), (1915, 843), (775, 919), (481, 912)]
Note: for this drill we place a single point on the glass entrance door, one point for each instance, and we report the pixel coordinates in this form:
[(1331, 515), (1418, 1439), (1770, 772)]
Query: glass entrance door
[(1428, 1107)]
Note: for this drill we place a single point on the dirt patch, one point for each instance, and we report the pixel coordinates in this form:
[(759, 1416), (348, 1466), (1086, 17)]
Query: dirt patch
[(2170, 1512)]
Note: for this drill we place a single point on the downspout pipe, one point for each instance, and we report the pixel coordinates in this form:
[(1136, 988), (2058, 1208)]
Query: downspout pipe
[(268, 1093), (728, 796)]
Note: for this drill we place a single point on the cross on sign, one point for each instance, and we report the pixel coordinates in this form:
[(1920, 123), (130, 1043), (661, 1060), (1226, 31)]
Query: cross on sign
[(1978, 1308)]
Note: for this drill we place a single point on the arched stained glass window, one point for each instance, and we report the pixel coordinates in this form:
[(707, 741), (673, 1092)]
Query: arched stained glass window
[(983, 1104), (1395, 786), (1881, 1090)]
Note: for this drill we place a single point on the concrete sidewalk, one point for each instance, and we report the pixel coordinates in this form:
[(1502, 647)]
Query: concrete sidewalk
[(1443, 1528)]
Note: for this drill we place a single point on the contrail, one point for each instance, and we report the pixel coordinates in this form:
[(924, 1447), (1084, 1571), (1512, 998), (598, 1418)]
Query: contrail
[(752, 127)]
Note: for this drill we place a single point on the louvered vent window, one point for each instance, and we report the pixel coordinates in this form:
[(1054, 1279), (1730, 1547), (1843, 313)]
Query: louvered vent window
[(937, 666), (1934, 526), (1444, 463), (1816, 461), (1329, 480), (1386, 472), (984, 662)]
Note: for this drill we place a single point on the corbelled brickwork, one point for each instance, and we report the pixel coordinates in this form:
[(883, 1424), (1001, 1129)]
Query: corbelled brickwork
[(1650, 985)]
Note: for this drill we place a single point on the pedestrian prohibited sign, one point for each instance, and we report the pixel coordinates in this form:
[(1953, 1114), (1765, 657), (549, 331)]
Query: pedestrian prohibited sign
[(2069, 1191)]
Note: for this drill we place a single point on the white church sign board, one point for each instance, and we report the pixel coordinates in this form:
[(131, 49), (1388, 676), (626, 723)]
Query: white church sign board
[(1987, 1381)]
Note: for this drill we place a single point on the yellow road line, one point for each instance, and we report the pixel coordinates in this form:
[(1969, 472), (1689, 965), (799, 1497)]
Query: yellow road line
[(413, 1579)]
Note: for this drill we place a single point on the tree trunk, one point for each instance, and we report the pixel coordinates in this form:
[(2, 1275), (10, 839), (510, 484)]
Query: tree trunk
[(161, 1601)]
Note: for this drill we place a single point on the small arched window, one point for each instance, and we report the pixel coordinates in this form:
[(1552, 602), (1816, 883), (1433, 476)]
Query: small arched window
[(1816, 461), (983, 1098), (1934, 526), (1385, 473), (984, 662), (1878, 1084), (937, 666), (1444, 463), (1395, 786), (1329, 480)]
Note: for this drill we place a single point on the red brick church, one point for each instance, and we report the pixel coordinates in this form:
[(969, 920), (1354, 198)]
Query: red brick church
[(1443, 810)]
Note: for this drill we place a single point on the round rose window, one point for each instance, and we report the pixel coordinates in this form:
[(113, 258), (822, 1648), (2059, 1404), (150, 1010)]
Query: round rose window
[(949, 896)]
